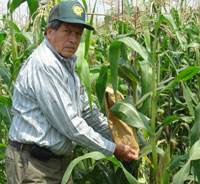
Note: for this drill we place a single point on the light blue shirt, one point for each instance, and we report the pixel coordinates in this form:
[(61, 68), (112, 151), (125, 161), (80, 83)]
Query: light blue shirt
[(51, 106)]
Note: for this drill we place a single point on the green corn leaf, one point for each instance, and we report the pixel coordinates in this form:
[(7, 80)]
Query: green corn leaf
[(196, 47), (2, 151), (13, 39), (86, 81), (127, 7), (94, 73), (16, 28), (146, 69), (187, 73), (38, 35), (195, 131), (85, 5), (87, 42), (147, 146), (159, 22), (136, 46), (176, 161), (126, 111), (146, 78), (5, 101), (107, 173), (170, 119), (162, 175), (122, 28), (184, 75), (33, 6), (83, 70), (123, 49), (196, 165), (28, 37), (14, 76), (6, 112), (194, 154), (194, 136), (146, 149), (97, 156), (126, 71), (15, 4), (89, 33), (114, 56), (128, 175), (171, 62), (80, 55), (181, 176), (3, 146), (5, 74), (2, 36), (101, 83), (171, 23), (144, 21), (187, 94)]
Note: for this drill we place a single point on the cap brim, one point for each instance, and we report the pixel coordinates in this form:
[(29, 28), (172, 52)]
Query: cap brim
[(77, 21)]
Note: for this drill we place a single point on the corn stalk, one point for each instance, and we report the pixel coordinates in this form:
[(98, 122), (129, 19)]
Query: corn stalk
[(13, 40), (154, 95)]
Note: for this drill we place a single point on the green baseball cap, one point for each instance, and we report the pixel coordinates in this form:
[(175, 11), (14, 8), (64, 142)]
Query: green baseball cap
[(69, 11)]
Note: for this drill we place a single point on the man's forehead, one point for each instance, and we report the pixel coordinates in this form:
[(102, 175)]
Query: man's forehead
[(72, 25)]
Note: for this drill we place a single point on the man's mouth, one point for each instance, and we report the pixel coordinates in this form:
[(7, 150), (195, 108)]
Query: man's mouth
[(70, 48)]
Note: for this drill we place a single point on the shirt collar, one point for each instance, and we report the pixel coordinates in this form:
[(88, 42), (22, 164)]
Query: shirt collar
[(69, 62)]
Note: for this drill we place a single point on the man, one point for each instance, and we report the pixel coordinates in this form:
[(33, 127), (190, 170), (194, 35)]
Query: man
[(51, 111)]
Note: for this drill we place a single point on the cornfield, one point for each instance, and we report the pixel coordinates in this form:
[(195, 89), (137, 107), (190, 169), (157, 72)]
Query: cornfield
[(149, 50)]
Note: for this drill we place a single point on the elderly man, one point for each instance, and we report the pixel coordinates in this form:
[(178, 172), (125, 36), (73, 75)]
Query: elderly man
[(51, 111)]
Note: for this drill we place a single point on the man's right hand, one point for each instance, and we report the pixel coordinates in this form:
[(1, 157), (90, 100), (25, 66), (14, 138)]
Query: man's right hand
[(125, 152)]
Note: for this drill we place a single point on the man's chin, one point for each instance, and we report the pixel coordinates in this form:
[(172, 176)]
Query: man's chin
[(67, 55)]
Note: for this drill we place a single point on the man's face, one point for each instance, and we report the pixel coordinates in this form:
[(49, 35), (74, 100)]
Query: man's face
[(65, 40)]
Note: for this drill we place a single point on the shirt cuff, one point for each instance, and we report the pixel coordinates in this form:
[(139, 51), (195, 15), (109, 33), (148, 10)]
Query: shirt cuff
[(110, 149)]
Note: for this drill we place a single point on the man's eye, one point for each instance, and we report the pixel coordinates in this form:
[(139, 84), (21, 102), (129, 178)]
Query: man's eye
[(66, 30), (79, 34)]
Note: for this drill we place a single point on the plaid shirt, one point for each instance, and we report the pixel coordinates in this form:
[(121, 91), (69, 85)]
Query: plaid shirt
[(51, 106)]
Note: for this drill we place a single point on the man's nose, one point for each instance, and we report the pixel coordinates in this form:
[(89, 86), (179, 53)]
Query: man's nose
[(72, 37)]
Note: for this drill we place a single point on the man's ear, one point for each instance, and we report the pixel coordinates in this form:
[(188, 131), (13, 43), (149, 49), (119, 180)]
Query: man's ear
[(50, 33)]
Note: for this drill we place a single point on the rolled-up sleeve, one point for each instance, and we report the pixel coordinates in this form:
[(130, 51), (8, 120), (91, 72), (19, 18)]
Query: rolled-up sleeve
[(55, 99), (97, 120)]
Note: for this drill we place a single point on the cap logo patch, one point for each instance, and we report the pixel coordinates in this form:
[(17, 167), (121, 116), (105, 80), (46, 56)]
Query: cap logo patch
[(77, 10)]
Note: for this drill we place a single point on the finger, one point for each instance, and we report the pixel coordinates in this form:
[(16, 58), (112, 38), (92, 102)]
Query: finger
[(128, 159), (134, 152), (132, 156)]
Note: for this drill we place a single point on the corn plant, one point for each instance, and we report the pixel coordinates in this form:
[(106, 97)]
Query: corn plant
[(147, 50)]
